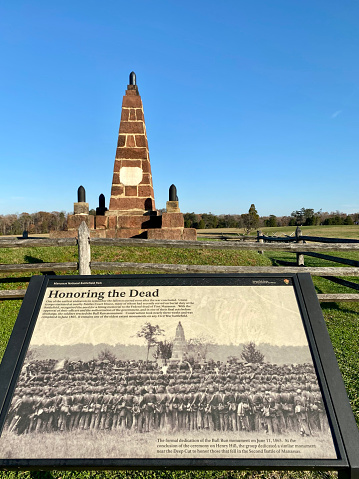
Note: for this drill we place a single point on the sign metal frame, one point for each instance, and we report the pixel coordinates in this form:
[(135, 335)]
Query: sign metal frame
[(343, 426)]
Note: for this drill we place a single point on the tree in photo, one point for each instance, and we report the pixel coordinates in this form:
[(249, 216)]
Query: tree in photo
[(106, 355), (198, 348), (164, 350), (251, 354), (150, 333)]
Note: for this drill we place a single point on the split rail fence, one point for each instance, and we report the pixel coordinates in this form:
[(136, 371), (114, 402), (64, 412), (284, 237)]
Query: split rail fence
[(296, 244)]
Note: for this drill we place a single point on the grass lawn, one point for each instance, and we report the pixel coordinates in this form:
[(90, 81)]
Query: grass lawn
[(341, 319)]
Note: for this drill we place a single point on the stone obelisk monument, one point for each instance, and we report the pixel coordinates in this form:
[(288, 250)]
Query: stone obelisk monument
[(179, 344), (131, 212), (132, 189)]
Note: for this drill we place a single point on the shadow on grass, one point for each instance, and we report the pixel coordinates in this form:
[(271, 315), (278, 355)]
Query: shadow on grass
[(41, 475), (337, 307), (32, 259), (279, 262), (15, 280)]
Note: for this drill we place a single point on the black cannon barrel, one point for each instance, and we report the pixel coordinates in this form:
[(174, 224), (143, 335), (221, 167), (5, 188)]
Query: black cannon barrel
[(81, 195), (132, 78), (101, 201), (173, 193)]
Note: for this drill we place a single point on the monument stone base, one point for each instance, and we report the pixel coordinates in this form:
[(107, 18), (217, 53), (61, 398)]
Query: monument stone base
[(168, 226)]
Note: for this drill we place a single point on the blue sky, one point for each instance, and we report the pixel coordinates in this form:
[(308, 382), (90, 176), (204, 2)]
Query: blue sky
[(245, 101)]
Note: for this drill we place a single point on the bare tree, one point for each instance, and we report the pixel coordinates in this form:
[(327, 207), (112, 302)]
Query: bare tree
[(198, 348)]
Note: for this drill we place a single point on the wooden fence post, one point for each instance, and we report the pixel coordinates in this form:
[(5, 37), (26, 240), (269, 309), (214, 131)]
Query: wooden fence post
[(300, 257), (84, 249), (260, 240)]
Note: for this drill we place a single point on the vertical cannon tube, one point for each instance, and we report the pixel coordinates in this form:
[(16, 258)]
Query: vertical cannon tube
[(173, 193), (132, 78), (81, 195)]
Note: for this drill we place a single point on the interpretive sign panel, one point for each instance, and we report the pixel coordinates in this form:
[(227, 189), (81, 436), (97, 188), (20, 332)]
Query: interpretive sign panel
[(192, 369)]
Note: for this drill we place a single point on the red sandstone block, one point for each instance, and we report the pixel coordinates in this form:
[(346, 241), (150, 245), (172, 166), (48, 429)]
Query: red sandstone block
[(130, 92), (146, 166), (127, 204), (134, 221), (101, 222), (155, 234), (111, 233), (130, 190), (116, 169), (112, 205), (132, 127), (130, 141), (116, 177), (98, 233), (129, 232), (74, 221), (91, 222), (169, 233), (131, 153), (172, 220), (141, 141), (173, 233), (146, 179), (132, 101), (117, 190), (145, 191), (189, 234), (112, 222), (133, 114), (118, 165), (130, 163), (121, 141), (125, 114), (139, 114)]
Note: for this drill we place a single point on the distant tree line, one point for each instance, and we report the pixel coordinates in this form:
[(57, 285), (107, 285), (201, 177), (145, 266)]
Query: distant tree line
[(44, 222), (307, 217), (34, 223), (251, 220)]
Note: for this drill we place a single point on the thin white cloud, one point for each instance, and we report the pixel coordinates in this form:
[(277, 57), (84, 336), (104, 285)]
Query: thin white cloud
[(336, 113)]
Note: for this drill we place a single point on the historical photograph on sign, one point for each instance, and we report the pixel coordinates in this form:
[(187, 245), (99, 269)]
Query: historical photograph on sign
[(168, 372)]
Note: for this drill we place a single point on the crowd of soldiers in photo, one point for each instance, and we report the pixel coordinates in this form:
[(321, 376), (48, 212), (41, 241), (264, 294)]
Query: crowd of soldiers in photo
[(144, 396)]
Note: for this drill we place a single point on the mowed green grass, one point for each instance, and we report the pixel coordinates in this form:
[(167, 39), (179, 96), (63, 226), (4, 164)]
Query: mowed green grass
[(341, 320)]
